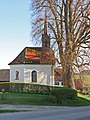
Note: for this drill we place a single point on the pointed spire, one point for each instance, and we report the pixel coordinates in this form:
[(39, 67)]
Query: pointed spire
[(45, 36), (45, 23)]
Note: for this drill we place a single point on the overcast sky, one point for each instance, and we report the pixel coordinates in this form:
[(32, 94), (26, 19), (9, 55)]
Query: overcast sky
[(14, 29)]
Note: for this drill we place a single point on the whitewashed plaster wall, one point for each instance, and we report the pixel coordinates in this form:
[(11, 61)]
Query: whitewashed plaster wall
[(13, 69), (45, 74)]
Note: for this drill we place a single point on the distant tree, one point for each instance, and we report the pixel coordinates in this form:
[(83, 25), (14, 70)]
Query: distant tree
[(69, 28)]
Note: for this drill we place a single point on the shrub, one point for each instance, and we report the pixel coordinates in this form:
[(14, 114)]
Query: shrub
[(25, 88), (60, 94)]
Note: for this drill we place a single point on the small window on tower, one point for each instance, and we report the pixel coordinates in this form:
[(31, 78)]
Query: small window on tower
[(17, 75)]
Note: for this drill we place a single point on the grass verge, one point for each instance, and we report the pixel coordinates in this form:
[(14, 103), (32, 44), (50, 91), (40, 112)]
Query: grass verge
[(10, 111), (40, 99)]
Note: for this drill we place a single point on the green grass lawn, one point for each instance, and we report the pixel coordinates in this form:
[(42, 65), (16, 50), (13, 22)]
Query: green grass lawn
[(10, 111), (85, 78), (40, 99), (26, 99)]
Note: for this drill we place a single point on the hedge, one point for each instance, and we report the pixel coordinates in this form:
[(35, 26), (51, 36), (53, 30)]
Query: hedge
[(58, 94), (24, 88)]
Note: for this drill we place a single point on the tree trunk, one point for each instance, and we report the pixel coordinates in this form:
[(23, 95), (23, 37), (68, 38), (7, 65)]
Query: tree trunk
[(67, 72), (67, 76)]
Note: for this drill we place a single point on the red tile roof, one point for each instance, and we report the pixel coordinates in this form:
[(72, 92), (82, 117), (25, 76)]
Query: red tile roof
[(34, 55)]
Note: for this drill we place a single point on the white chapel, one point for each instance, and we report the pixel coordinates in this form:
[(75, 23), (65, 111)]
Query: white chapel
[(34, 64)]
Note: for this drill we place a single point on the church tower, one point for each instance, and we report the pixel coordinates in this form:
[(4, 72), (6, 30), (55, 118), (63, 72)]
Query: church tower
[(45, 36)]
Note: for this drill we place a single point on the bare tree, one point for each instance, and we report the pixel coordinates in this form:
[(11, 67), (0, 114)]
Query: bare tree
[(69, 27)]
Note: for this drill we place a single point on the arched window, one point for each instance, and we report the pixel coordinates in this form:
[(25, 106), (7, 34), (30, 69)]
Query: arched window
[(34, 76), (17, 75)]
